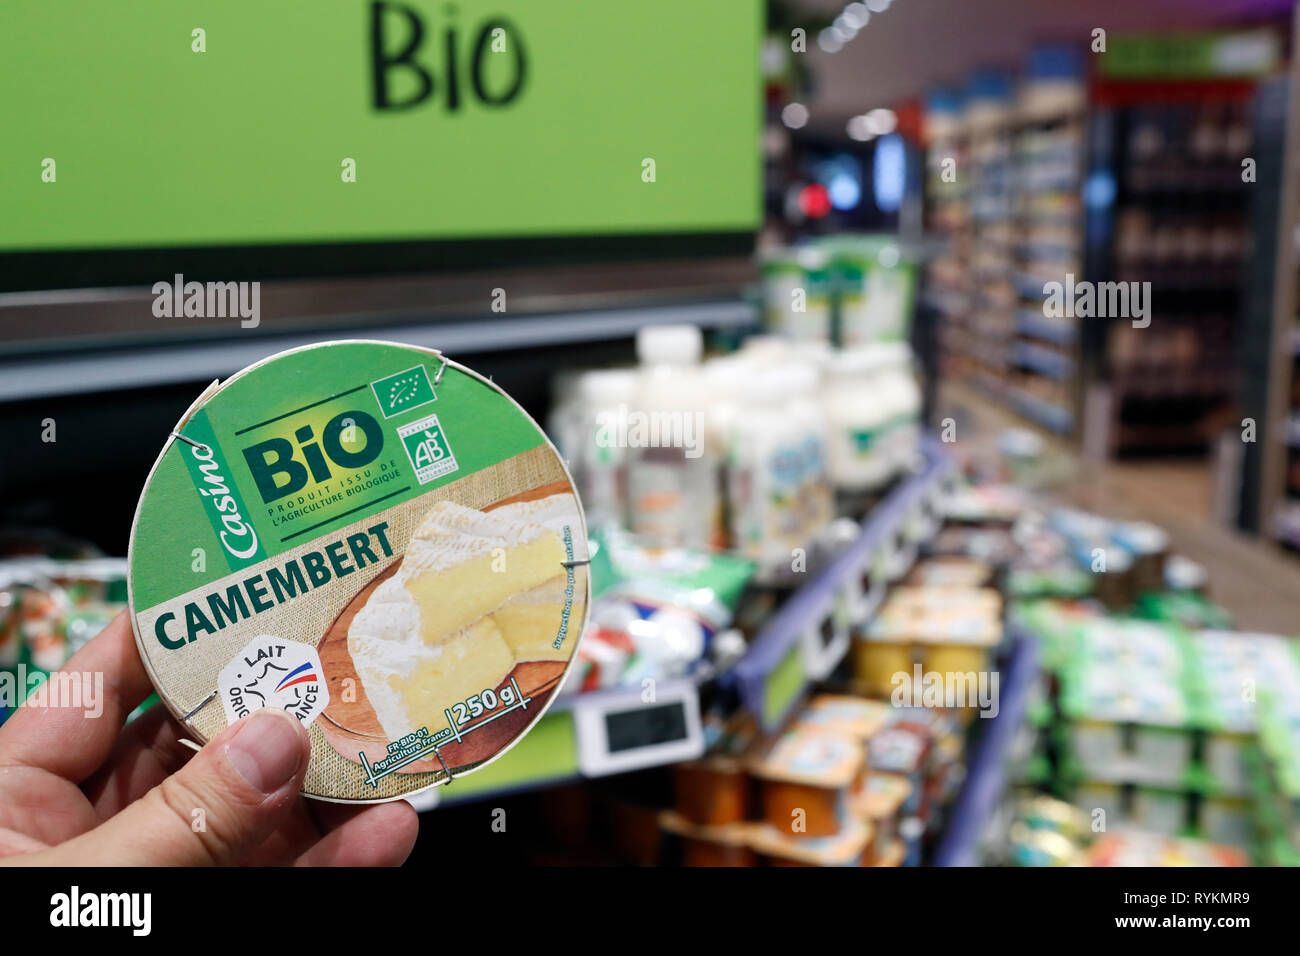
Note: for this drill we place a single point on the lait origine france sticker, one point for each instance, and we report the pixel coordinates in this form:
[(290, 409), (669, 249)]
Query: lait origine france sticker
[(270, 672)]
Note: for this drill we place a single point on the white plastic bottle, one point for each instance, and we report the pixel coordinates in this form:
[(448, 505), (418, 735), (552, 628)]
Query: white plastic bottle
[(599, 464), (563, 424), (766, 474), (905, 391), (672, 477), (725, 378), (816, 495), (860, 406)]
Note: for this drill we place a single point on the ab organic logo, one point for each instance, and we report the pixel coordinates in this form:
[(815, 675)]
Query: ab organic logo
[(426, 445)]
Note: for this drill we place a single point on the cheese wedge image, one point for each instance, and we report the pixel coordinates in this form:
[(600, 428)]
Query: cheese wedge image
[(475, 592), (528, 622)]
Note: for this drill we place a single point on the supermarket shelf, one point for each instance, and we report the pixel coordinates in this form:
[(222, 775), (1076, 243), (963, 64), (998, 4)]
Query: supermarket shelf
[(1043, 360), (985, 774), (1054, 417), (809, 635), (1061, 332), (39, 376)]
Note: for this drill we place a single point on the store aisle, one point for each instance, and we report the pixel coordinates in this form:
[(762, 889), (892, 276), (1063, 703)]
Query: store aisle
[(1259, 581)]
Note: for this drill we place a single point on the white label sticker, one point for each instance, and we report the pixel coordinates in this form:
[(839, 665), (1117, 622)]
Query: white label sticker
[(271, 672)]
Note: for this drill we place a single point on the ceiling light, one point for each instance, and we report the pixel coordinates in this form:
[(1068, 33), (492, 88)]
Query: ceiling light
[(856, 15), (859, 129), (881, 121), (829, 42)]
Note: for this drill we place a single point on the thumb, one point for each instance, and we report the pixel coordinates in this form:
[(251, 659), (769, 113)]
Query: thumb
[(218, 807)]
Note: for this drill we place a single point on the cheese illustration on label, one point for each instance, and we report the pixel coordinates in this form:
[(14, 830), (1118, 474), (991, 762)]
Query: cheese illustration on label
[(475, 593), (528, 622)]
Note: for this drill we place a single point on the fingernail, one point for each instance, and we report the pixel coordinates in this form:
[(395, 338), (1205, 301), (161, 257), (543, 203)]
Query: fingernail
[(267, 750)]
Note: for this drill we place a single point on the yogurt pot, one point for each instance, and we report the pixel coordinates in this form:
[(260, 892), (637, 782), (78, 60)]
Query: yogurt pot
[(806, 779)]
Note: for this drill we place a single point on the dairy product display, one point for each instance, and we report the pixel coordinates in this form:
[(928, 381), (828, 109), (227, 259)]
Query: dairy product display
[(756, 450), (849, 289), (600, 465), (397, 514), (766, 471), (672, 476)]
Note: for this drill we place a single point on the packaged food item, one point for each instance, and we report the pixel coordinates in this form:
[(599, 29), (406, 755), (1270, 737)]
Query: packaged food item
[(844, 716), (726, 378), (672, 475), (1091, 796), (42, 608), (892, 856), (891, 290), (1129, 698), (806, 780), (851, 260), (602, 660), (1115, 585), (1185, 608), (899, 379), (1136, 848), (374, 539), (784, 291), (812, 321), (992, 545), (816, 495), (769, 471), (1045, 813), (845, 847), (1228, 820), (669, 605), (605, 400), (715, 790), (1061, 578), (880, 800), (902, 751), (1033, 847), (720, 845), (877, 660), (985, 503), (971, 617), (950, 572), (946, 659), (1159, 810), (1149, 546), (862, 409)]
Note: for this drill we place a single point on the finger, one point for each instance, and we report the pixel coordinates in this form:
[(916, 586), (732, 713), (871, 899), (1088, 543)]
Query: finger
[(70, 726), (148, 751), (297, 833), (215, 810), (13, 843), (307, 824), (382, 835)]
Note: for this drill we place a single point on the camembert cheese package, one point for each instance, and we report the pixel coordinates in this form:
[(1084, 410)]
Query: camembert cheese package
[(374, 539)]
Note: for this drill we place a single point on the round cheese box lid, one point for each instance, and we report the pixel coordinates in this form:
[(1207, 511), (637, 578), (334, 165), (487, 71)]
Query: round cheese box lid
[(374, 539)]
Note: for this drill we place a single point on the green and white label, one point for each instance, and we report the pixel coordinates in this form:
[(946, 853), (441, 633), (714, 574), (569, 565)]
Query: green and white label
[(317, 519)]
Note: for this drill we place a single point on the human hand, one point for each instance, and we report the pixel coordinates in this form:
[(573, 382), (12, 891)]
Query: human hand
[(81, 790)]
